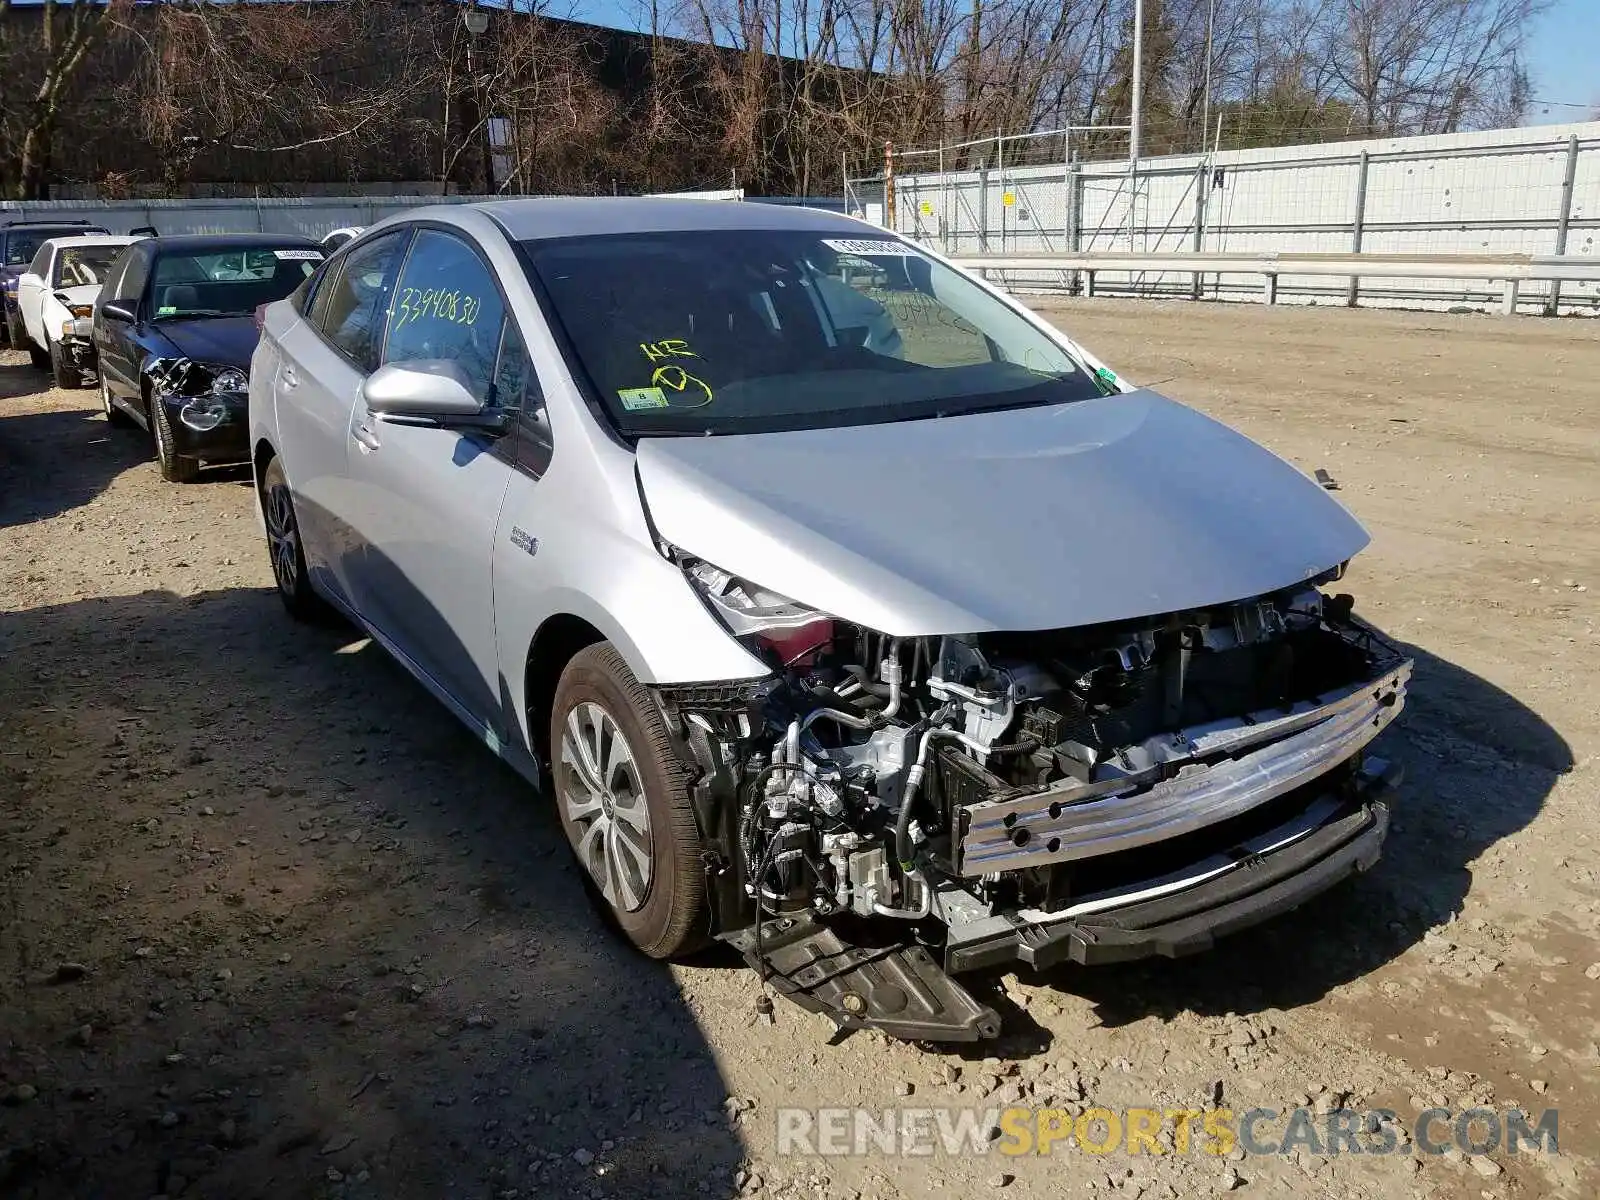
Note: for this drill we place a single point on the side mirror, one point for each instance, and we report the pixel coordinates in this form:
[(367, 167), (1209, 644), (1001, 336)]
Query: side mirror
[(116, 311), (433, 391)]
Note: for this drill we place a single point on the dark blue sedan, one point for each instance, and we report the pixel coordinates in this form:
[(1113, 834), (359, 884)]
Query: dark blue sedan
[(174, 329)]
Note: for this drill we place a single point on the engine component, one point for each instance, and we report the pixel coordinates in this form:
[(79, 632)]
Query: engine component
[(992, 774)]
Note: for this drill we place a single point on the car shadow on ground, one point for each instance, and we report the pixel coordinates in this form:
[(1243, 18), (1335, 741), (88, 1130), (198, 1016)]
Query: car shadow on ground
[(51, 462), (1479, 766), (330, 945)]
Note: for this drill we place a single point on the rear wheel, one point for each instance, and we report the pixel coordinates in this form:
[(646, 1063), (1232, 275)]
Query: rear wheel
[(114, 415), (174, 467), (624, 804), (283, 544)]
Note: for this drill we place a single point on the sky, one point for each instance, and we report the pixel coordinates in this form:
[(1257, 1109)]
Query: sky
[(1564, 61)]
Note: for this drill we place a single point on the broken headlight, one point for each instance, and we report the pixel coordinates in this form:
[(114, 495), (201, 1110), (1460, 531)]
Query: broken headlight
[(762, 619), (230, 379)]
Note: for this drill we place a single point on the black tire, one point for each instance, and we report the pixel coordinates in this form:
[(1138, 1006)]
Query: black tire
[(285, 551), (174, 467), (114, 415), (37, 358), (66, 375), (672, 918)]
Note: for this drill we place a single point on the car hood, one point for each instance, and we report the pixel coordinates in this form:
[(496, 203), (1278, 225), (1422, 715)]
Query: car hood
[(1038, 518), (227, 341), (82, 293)]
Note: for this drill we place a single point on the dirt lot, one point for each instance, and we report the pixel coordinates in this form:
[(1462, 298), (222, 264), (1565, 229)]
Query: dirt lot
[(272, 925)]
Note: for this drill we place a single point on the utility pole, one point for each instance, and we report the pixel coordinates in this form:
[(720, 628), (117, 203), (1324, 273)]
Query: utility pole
[(477, 23), (1136, 118)]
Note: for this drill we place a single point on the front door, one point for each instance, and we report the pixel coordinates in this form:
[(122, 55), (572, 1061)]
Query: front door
[(426, 500), (113, 337), (30, 297)]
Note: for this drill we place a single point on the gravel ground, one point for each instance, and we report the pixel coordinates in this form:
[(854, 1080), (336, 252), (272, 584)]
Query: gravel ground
[(272, 925)]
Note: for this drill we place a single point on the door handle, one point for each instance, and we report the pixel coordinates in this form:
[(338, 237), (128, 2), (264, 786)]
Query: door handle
[(290, 379), (368, 439)]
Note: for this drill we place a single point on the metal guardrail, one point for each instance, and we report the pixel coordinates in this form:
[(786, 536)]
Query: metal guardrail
[(1509, 269)]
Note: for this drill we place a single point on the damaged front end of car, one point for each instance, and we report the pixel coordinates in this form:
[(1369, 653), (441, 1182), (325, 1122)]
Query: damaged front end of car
[(884, 813), (202, 397)]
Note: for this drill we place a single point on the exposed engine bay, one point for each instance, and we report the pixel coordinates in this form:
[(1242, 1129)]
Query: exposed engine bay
[(905, 808)]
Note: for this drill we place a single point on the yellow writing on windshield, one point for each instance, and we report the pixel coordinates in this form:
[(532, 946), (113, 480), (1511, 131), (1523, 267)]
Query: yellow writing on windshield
[(674, 378), (666, 348)]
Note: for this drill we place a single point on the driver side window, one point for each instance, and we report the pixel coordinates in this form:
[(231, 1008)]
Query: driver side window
[(446, 306), (40, 265)]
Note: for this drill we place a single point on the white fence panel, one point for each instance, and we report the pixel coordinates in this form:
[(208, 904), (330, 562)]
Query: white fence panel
[(1499, 191)]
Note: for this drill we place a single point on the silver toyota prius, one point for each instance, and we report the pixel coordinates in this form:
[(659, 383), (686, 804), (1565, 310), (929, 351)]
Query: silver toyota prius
[(846, 612)]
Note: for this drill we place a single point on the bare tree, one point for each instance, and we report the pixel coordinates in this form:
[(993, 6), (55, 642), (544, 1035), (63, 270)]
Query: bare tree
[(37, 71)]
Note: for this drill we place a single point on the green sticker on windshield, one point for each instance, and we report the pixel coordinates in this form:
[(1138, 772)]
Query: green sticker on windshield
[(166, 310), (634, 399), (1105, 376)]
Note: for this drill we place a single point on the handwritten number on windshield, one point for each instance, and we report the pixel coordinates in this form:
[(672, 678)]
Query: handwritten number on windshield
[(438, 304)]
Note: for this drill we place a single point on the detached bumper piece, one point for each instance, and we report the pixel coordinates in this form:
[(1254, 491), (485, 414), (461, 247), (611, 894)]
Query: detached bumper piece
[(898, 989), (1273, 874)]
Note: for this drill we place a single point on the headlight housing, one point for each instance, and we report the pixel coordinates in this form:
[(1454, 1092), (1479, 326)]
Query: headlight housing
[(230, 379), (76, 310), (766, 621)]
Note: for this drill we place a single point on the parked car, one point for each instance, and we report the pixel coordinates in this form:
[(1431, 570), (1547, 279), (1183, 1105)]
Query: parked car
[(174, 328), (55, 302), (19, 242), (881, 666), (339, 237)]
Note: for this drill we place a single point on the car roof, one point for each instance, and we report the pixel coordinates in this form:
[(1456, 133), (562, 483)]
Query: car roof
[(576, 216), (94, 239), (29, 224), (211, 243)]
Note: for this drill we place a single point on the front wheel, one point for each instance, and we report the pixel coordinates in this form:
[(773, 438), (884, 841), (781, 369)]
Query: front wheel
[(174, 467), (66, 375), (624, 804)]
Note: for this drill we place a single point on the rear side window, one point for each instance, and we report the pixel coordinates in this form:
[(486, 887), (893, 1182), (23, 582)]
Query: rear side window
[(350, 309), (446, 306)]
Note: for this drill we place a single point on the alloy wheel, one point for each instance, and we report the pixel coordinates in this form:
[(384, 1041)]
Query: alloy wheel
[(283, 539), (604, 799)]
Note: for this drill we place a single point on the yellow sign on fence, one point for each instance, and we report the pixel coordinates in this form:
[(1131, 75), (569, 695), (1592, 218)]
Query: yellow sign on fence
[(1008, 198)]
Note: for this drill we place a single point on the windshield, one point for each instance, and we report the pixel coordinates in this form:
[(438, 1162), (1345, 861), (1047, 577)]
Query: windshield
[(22, 244), (743, 331), (80, 265), (227, 283)]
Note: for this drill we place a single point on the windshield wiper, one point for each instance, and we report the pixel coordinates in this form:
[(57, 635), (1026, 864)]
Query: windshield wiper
[(188, 314)]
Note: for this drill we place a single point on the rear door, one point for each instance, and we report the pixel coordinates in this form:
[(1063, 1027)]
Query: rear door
[(426, 500), (322, 362)]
